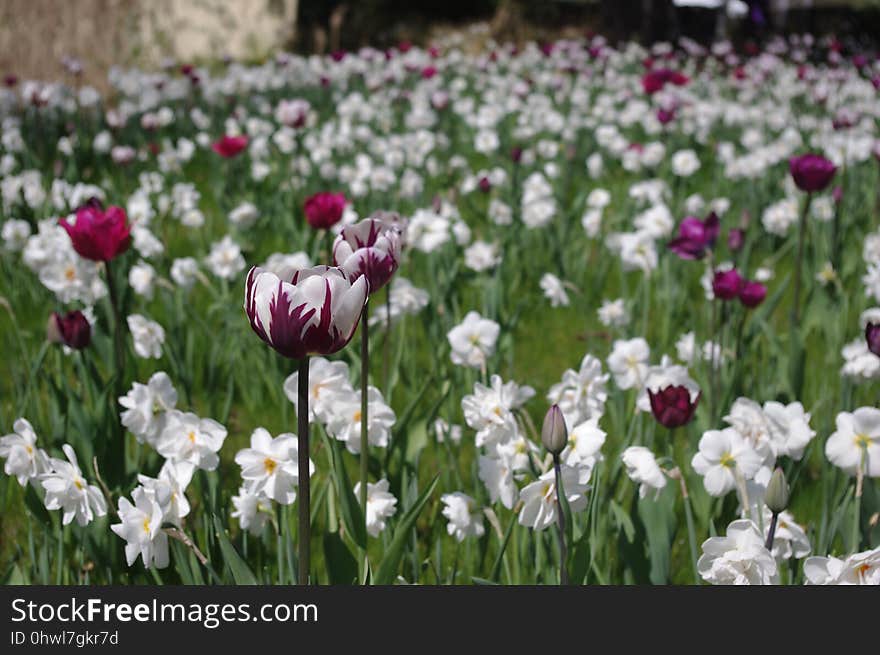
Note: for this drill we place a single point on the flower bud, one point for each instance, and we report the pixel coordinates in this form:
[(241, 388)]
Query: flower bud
[(776, 497), (554, 434), (72, 330)]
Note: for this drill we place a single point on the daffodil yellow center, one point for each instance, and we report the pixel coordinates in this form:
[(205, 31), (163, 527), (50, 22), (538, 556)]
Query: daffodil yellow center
[(497, 411), (70, 273), (474, 339), (546, 491), (146, 526), (862, 441), (270, 465), (30, 451), (727, 460), (357, 416), (191, 436), (78, 483)]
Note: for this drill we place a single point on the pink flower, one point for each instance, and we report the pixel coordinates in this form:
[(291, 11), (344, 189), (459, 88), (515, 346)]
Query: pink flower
[(727, 285), (230, 146), (695, 236), (752, 294), (324, 209), (99, 235)]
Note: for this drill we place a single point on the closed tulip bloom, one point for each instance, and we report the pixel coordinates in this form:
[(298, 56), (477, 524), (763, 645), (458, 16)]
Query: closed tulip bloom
[(315, 313), (695, 236), (872, 335), (752, 294), (811, 172), (229, 146), (368, 249), (727, 285), (324, 210), (97, 234), (554, 434), (672, 406), (72, 329)]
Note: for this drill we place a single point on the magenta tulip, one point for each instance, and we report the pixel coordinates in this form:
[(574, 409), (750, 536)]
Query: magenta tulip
[(727, 285), (97, 234), (752, 294), (324, 210), (229, 146), (811, 172)]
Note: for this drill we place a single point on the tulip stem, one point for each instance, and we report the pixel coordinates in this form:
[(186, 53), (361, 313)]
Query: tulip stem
[(303, 471), (802, 228), (563, 548), (772, 532), (365, 378), (115, 453)]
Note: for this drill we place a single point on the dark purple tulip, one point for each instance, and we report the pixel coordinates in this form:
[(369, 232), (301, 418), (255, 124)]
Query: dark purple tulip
[(735, 238), (672, 406), (485, 185), (872, 335), (72, 329), (811, 172), (695, 236), (726, 285), (752, 294)]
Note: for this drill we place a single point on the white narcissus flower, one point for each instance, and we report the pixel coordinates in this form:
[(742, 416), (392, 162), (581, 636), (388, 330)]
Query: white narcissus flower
[(539, 498), (270, 466), (642, 468), (184, 272), (142, 278), (381, 504), (739, 558), (252, 510), (67, 490), (188, 438), (628, 362), (497, 474), (554, 290), (141, 527), (490, 410), (723, 454), (473, 340), (789, 540), (464, 516), (148, 336), (245, 215), (581, 395), (859, 569), (23, 459), (145, 407), (584, 442), (613, 313), (344, 422), (856, 442), (481, 256), (225, 259), (405, 298), (168, 490), (327, 381), (790, 430)]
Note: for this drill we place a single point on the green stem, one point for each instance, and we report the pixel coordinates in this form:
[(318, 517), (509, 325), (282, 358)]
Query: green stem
[(365, 378), (799, 263), (304, 536), (563, 547)]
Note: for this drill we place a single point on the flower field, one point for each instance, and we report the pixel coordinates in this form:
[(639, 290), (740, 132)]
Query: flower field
[(565, 313)]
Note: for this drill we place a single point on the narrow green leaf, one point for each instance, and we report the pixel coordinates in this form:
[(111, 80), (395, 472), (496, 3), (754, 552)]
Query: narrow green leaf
[(352, 515), (391, 561), (237, 566)]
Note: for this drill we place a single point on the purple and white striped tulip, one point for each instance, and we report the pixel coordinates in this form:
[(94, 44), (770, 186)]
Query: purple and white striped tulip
[(370, 249), (316, 312)]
